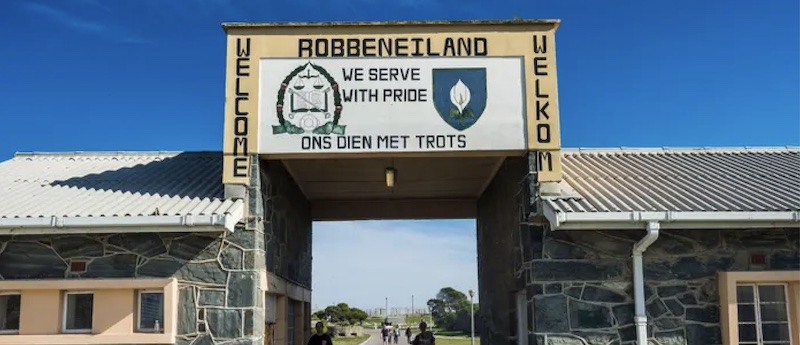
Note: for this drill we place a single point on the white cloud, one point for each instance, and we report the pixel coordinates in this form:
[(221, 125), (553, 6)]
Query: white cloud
[(361, 263)]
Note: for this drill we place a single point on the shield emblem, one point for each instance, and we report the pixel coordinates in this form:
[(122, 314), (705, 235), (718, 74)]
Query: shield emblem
[(459, 95)]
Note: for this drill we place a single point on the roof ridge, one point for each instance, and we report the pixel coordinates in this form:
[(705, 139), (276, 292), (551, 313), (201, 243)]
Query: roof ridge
[(107, 153), (702, 149)]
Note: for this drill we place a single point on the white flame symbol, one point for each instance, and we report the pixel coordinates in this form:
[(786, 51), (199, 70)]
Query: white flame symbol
[(460, 95)]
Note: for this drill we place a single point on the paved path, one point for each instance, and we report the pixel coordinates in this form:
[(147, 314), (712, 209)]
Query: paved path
[(377, 340)]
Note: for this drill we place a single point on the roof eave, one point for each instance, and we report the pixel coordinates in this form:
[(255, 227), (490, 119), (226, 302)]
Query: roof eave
[(637, 220), (124, 224), (235, 25)]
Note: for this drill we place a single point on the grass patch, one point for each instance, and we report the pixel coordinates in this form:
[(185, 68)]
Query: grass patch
[(353, 340), (455, 341)]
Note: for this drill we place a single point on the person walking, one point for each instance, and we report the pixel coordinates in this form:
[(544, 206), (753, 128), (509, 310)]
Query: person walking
[(385, 334), (424, 337), (408, 334), (396, 334), (320, 338)]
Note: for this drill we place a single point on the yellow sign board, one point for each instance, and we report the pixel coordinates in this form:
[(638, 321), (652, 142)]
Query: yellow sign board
[(385, 88)]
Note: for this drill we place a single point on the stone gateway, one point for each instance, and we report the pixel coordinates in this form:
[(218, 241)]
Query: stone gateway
[(620, 247)]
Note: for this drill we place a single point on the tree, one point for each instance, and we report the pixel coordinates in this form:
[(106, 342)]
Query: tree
[(342, 314), (450, 310)]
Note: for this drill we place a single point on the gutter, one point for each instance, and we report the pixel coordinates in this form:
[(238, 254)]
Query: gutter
[(55, 225), (668, 219), (640, 316)]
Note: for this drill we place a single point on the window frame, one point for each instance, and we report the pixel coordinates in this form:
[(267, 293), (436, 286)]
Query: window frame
[(139, 311), (729, 317), (64, 306), (12, 293)]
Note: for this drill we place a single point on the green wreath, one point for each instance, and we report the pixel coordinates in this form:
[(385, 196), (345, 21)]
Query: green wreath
[(326, 128)]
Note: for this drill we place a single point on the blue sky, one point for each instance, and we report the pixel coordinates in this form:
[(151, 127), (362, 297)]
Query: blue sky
[(148, 75)]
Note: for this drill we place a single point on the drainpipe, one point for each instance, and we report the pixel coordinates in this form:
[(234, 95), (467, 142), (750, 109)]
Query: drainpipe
[(640, 317)]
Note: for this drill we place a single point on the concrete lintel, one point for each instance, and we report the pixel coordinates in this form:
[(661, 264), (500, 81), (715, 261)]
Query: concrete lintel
[(235, 191), (337, 210)]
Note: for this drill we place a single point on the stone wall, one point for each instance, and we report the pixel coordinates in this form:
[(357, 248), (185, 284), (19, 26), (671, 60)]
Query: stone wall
[(580, 282), (284, 214), (499, 252), (218, 286), (287, 225)]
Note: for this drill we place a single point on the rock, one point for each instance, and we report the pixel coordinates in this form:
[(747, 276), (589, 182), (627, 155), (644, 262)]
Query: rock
[(676, 337), (77, 247), (624, 314), (785, 260), (598, 294), (115, 266), (656, 309), (207, 272), (564, 339), (589, 315), (551, 314), (144, 244), (242, 289), (231, 258), (675, 307), (707, 314), (553, 288), (224, 323), (555, 249), (208, 297), (671, 290), (29, 260), (195, 247), (187, 312), (667, 323), (159, 268), (703, 335), (577, 270)]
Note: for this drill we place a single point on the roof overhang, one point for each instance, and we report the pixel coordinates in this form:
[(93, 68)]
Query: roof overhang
[(637, 220), (124, 224)]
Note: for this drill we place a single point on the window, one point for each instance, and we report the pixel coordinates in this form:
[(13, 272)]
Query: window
[(151, 311), (760, 307), (290, 322), (9, 312), (78, 310), (763, 314)]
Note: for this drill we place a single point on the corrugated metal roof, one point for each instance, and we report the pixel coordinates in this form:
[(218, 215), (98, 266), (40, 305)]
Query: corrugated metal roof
[(696, 179), (113, 184)]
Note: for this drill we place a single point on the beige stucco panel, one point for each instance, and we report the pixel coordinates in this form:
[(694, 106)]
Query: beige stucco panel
[(282, 42), (40, 312), (116, 320)]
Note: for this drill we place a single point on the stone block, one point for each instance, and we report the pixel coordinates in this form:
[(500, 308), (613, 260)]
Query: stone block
[(242, 288), (675, 307), (224, 323), (686, 268), (231, 258), (624, 314), (785, 260), (597, 338), (551, 314), (77, 247), (585, 315), (187, 311), (207, 272), (161, 267), (656, 308), (115, 266), (676, 337), (30, 260), (208, 297), (597, 294), (706, 314), (144, 244), (195, 247), (553, 288), (575, 270), (697, 334)]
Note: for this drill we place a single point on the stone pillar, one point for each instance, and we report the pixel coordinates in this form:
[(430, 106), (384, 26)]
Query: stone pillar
[(501, 209)]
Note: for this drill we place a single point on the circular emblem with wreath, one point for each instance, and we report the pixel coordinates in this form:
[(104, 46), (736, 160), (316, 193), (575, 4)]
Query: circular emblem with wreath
[(309, 101)]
